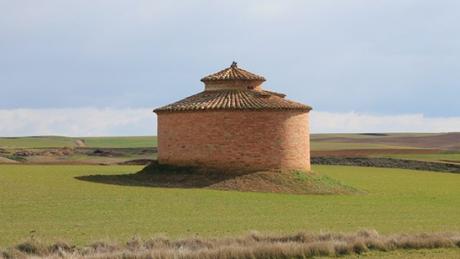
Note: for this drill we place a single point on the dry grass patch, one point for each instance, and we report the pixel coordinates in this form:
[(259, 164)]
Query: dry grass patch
[(255, 245)]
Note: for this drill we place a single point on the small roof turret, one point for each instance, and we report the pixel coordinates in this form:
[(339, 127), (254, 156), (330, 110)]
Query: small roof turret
[(233, 73)]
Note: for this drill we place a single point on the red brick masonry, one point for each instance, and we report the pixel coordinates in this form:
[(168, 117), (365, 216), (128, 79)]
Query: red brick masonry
[(256, 140)]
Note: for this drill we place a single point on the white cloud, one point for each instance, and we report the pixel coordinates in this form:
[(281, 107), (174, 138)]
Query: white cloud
[(328, 122), (141, 121), (77, 122)]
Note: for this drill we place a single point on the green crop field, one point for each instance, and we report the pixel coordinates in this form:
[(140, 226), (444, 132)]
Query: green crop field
[(446, 157), (59, 142), (369, 135), (49, 203), (121, 142), (330, 146), (410, 254), (36, 142)]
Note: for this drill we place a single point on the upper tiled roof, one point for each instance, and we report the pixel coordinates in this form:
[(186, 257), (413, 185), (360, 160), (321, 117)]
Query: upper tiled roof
[(233, 73), (234, 100)]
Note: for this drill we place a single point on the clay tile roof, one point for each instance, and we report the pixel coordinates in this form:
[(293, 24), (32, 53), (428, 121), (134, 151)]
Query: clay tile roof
[(233, 100), (233, 73)]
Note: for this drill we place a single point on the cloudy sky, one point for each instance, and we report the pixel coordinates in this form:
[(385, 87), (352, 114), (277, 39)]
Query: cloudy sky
[(99, 67)]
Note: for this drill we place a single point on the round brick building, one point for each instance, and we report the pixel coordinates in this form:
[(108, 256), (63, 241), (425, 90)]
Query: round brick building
[(235, 124)]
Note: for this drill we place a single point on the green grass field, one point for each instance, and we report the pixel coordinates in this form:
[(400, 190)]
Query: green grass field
[(48, 202), (121, 142), (447, 157), (36, 142), (369, 136), (410, 254), (330, 146), (59, 142)]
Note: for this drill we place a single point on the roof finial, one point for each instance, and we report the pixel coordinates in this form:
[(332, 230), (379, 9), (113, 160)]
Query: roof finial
[(234, 65)]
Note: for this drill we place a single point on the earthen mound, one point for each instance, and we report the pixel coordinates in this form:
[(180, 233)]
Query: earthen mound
[(277, 181)]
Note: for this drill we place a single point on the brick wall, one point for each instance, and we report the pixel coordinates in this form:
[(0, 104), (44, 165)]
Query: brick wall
[(232, 139)]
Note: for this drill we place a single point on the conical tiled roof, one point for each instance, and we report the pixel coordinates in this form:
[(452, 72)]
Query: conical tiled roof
[(234, 100), (239, 96), (233, 73)]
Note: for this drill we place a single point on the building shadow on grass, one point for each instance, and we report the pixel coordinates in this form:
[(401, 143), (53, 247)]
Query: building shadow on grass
[(277, 181), (155, 175), (165, 180)]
